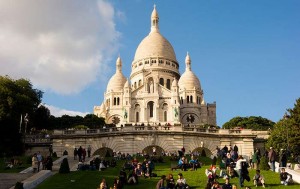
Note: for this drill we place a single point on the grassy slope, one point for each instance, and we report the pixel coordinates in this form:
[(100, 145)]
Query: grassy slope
[(196, 179)]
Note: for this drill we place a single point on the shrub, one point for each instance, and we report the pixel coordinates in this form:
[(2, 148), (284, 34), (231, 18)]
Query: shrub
[(263, 165), (54, 155), (19, 185), (64, 166)]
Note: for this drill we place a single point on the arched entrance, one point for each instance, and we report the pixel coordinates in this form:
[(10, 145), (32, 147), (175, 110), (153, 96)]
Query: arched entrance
[(153, 150), (104, 152), (202, 151)]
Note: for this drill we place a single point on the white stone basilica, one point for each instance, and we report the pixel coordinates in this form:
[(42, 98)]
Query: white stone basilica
[(156, 93)]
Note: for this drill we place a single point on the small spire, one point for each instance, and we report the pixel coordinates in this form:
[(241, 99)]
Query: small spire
[(154, 20), (119, 64), (188, 61)]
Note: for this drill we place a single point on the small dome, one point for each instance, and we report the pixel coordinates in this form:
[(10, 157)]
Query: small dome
[(189, 81), (117, 81)]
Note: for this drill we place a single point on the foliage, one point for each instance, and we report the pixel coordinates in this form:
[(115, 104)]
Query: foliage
[(66, 121), (41, 118), (80, 127), (17, 97), (263, 165), (252, 122), (286, 132), (19, 185), (64, 166)]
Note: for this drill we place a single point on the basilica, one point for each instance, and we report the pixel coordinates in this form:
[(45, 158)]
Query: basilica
[(155, 93)]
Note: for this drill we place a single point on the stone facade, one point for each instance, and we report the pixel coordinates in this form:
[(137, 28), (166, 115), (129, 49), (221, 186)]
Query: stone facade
[(156, 93)]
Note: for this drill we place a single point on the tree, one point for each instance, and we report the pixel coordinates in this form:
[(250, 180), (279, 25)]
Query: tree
[(17, 97), (41, 118), (252, 122), (286, 132)]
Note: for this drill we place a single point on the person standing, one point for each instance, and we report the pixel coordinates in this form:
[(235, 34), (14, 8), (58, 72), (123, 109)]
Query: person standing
[(282, 158), (89, 150), (39, 159), (34, 163), (239, 170), (75, 153), (272, 158)]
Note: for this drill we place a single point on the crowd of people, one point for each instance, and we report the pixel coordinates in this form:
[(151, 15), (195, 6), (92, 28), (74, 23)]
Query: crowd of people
[(39, 162)]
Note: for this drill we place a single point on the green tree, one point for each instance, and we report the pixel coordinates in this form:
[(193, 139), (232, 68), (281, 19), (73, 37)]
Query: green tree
[(41, 118), (252, 122), (286, 132), (17, 97)]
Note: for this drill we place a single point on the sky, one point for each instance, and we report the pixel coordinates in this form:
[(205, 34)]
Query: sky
[(246, 54)]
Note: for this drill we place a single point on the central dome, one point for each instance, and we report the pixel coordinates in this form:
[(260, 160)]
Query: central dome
[(154, 45)]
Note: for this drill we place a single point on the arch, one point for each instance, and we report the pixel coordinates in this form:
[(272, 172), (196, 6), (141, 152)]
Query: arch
[(150, 150), (191, 98), (137, 113), (150, 84), (201, 151), (104, 152)]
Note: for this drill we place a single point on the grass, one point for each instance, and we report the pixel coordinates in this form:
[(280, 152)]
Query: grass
[(196, 179), (26, 162)]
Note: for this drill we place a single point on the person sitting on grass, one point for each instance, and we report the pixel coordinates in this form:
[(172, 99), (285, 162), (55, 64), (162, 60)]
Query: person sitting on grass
[(258, 179), (227, 185), (181, 182), (103, 184), (285, 178), (161, 183), (170, 182)]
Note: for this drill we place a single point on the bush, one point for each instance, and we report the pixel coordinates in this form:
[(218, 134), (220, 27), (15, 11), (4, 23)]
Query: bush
[(19, 185), (54, 155), (64, 166), (264, 164)]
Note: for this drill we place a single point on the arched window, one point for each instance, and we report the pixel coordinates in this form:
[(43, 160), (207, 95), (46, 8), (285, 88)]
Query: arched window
[(150, 108), (135, 85), (168, 84), (191, 99), (188, 99), (115, 101), (165, 116), (137, 117), (161, 81), (140, 82), (181, 99)]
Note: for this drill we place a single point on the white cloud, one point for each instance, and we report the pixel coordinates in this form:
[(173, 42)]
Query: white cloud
[(58, 112), (61, 46)]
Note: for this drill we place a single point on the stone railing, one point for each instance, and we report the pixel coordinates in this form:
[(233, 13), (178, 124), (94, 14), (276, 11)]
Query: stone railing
[(155, 129)]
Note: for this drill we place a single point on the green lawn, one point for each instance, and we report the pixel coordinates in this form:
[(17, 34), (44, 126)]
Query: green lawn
[(196, 179), (26, 162)]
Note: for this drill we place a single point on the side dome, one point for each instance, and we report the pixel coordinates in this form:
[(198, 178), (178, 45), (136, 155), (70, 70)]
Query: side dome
[(154, 45), (188, 79), (118, 80)]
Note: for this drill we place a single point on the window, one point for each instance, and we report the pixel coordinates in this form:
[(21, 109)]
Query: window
[(118, 101), (168, 84), (161, 81), (191, 99), (137, 117), (181, 100), (150, 108), (115, 101), (165, 116), (140, 82), (188, 99)]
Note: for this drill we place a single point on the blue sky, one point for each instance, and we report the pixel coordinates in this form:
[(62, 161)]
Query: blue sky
[(245, 53)]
